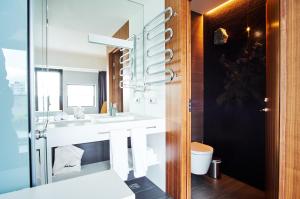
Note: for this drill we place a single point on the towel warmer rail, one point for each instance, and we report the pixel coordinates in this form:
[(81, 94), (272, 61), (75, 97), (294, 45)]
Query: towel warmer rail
[(153, 33)]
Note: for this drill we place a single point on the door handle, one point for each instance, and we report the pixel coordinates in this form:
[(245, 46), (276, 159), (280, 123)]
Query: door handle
[(264, 110)]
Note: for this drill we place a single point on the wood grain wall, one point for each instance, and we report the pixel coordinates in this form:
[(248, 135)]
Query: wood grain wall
[(122, 33), (197, 75), (290, 100), (115, 92), (177, 96)]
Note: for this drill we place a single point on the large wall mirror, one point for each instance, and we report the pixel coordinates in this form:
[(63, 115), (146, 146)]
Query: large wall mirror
[(73, 73)]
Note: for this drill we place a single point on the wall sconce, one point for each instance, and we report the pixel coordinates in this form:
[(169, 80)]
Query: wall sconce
[(220, 36), (258, 34)]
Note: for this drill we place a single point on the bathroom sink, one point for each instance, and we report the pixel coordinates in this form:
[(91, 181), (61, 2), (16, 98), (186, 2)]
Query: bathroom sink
[(118, 118), (72, 122), (64, 123)]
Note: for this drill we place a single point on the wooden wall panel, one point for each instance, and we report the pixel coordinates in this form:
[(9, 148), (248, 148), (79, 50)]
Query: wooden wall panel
[(177, 95), (115, 92), (273, 89), (197, 75), (122, 33), (290, 100)]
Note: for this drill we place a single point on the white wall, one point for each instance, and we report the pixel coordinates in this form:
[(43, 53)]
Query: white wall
[(72, 59), (140, 101), (157, 94), (136, 24)]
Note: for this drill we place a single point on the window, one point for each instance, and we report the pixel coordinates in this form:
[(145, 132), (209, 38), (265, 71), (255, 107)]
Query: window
[(49, 89), (81, 95)]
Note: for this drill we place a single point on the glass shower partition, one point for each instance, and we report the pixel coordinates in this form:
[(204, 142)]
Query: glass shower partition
[(40, 93), (14, 96)]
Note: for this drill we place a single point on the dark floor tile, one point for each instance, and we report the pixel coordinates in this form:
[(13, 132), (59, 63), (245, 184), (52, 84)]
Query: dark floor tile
[(140, 184), (145, 189), (204, 187), (154, 193)]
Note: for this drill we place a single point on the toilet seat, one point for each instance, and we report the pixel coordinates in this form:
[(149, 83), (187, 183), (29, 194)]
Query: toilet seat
[(199, 148)]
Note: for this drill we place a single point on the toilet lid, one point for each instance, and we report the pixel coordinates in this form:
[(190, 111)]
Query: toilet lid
[(197, 147)]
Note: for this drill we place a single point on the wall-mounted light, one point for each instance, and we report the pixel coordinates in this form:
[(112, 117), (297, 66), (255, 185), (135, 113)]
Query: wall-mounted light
[(248, 29), (220, 6), (258, 34), (275, 24), (220, 36)]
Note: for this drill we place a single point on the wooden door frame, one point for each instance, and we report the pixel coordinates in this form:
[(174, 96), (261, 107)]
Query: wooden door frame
[(285, 23), (178, 138), (289, 168)]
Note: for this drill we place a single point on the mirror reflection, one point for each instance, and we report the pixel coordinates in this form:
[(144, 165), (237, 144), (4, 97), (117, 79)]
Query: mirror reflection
[(74, 76)]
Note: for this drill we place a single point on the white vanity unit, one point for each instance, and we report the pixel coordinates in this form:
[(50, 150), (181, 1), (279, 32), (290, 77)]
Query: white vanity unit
[(97, 128)]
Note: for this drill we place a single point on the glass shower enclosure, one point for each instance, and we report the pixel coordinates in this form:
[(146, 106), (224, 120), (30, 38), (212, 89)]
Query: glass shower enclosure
[(14, 96)]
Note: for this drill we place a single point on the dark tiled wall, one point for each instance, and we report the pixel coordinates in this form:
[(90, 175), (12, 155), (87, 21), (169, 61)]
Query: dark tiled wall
[(234, 90), (94, 152)]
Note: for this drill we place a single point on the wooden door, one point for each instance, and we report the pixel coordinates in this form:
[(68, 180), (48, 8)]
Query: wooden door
[(115, 92)]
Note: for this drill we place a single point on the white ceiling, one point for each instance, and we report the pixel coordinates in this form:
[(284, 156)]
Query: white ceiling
[(70, 22), (203, 6)]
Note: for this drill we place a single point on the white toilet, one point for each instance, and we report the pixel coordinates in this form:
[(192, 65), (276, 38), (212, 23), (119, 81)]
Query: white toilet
[(201, 155)]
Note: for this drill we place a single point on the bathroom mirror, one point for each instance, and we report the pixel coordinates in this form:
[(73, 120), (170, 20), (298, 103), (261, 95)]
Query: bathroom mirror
[(73, 72)]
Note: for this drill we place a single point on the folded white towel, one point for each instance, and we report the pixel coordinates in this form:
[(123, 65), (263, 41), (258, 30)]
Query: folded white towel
[(67, 159), (119, 153), (139, 151)]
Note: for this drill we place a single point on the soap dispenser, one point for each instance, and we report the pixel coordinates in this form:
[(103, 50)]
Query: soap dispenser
[(112, 109)]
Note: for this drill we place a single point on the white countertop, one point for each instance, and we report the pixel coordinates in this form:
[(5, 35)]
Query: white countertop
[(89, 119), (99, 131), (103, 185)]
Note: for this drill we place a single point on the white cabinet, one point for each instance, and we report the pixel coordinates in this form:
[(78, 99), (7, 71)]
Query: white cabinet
[(91, 132)]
